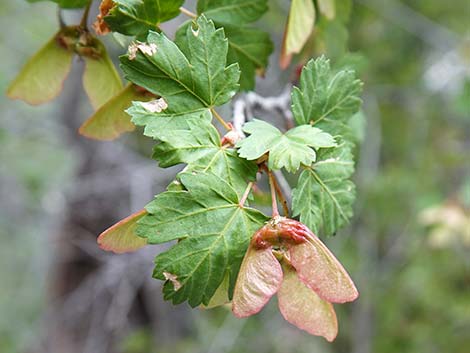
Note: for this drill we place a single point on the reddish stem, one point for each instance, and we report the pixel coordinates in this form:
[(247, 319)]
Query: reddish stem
[(273, 194)]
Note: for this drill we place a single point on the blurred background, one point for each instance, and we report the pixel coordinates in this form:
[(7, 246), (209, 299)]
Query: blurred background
[(407, 248)]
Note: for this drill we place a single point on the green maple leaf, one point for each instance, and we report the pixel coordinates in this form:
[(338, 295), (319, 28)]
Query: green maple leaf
[(191, 138), (196, 81), (213, 232), (324, 195), (157, 124), (248, 46), (232, 11), (325, 99), (288, 150), (137, 17), (197, 144)]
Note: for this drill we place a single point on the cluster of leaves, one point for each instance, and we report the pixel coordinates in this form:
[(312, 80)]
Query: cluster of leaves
[(214, 56), (204, 209)]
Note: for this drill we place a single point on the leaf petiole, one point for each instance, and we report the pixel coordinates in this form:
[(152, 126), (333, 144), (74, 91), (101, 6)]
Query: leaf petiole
[(246, 193), (220, 120)]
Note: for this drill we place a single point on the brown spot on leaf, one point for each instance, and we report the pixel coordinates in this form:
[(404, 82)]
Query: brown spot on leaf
[(173, 279), (155, 106)]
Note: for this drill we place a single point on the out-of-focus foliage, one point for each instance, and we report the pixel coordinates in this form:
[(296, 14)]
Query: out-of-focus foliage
[(35, 165)]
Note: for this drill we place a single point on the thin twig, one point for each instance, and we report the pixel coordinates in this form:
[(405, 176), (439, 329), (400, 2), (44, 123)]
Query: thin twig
[(187, 12), (245, 194), (221, 121)]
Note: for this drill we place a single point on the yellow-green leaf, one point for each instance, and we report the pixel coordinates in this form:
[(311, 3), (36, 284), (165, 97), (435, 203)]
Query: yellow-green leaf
[(220, 296), (299, 27), (327, 8), (100, 79), (111, 120), (41, 79), (121, 237)]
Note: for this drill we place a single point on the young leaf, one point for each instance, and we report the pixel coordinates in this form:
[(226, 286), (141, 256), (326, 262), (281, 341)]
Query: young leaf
[(319, 270), (41, 79), (136, 18), (187, 83), (323, 197), (259, 278), (299, 26), (121, 237), (100, 78), (213, 229), (288, 150), (304, 309), (236, 12), (325, 99), (111, 120)]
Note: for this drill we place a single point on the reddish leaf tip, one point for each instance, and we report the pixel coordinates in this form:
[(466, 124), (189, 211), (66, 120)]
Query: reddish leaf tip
[(121, 238)]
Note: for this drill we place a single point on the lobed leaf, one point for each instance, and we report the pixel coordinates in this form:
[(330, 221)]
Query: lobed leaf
[(199, 79), (247, 46), (213, 232), (137, 17), (197, 144), (326, 99), (323, 197), (288, 150), (158, 124)]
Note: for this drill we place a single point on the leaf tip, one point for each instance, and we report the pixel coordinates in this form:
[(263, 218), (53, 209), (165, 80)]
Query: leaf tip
[(121, 238)]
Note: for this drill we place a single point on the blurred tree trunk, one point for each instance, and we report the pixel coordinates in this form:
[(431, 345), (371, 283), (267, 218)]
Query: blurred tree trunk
[(96, 298)]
